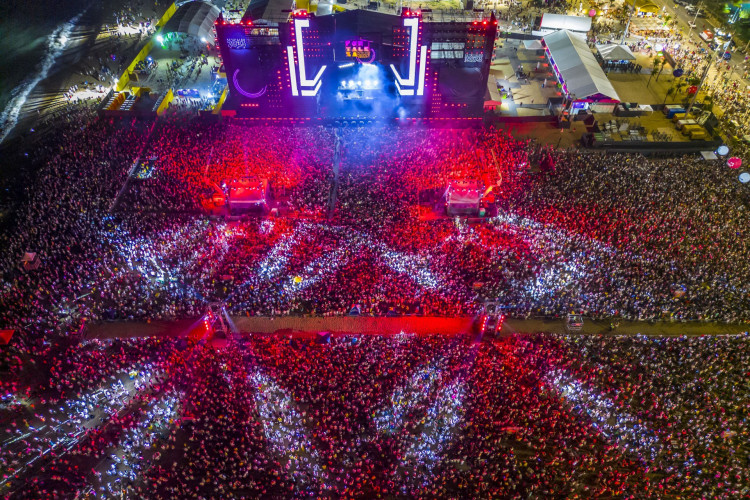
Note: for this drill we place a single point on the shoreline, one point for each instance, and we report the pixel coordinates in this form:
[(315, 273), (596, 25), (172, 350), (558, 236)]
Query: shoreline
[(89, 41)]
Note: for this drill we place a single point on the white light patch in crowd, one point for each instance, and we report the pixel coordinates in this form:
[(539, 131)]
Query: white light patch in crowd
[(108, 399), (426, 451), (277, 258), (266, 227), (315, 270), (417, 268), (563, 267), (283, 426), (613, 422), (140, 438), (404, 399), (542, 234), (551, 281), (147, 255)]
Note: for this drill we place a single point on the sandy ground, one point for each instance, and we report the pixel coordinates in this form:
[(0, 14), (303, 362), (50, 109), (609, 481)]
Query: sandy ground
[(88, 42)]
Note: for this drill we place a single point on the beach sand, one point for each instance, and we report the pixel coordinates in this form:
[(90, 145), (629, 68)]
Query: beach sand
[(89, 41)]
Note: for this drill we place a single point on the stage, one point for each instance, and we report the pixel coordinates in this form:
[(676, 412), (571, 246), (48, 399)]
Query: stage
[(357, 65)]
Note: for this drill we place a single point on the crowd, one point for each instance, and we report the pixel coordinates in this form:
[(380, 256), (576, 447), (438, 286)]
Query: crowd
[(611, 235), (417, 416), (675, 402), (665, 237), (197, 159), (359, 228)]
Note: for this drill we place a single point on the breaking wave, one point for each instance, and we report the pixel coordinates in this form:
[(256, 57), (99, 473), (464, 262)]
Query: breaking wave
[(56, 43)]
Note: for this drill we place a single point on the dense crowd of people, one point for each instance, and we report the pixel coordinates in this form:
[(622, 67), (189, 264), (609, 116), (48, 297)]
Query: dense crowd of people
[(362, 231), (415, 416), (610, 235)]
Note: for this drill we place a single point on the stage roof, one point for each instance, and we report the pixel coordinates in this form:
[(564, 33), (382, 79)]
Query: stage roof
[(194, 18), (578, 67), (560, 22), (464, 192), (269, 10), (247, 192), (359, 22), (614, 52)]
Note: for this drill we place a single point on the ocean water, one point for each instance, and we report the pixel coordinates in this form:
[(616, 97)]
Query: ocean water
[(32, 35)]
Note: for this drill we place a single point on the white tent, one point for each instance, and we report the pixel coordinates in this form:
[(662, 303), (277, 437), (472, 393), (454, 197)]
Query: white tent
[(560, 22), (532, 44), (576, 67), (194, 18), (614, 52)]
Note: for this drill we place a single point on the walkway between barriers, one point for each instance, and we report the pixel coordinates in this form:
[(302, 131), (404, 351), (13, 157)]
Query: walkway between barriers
[(367, 325)]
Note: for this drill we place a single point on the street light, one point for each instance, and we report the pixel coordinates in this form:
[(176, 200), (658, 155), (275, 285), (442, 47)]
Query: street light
[(694, 19)]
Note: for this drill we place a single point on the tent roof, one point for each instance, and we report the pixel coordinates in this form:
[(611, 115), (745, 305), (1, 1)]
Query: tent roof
[(532, 44), (646, 6), (560, 22), (464, 196), (581, 74), (268, 10), (194, 18), (247, 191), (614, 52), (464, 191)]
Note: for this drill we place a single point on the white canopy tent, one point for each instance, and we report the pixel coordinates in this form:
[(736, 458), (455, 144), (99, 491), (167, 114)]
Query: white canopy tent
[(532, 44), (614, 52), (194, 18), (577, 68), (561, 22)]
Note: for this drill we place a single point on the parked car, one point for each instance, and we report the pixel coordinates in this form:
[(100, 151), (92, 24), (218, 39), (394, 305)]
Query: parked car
[(723, 36)]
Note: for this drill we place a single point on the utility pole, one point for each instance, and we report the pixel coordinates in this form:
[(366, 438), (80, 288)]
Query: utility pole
[(694, 19), (700, 85), (627, 26)]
